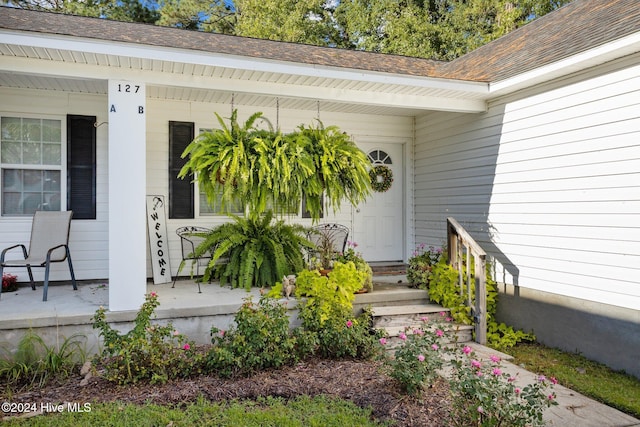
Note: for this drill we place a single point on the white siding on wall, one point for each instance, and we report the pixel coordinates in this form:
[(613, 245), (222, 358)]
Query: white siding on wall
[(548, 182), (88, 238)]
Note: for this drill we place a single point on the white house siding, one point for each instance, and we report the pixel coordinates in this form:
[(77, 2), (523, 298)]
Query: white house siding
[(363, 128), (548, 181), (88, 238)]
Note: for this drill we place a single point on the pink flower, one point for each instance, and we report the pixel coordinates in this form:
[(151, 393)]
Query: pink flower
[(476, 364), (443, 314), (553, 380), (421, 357), (349, 323), (479, 374), (424, 318), (176, 333), (449, 319), (481, 409), (434, 347), (153, 294), (383, 341), (402, 336), (496, 372), (186, 346), (439, 333), (511, 379), (551, 397), (494, 358), (542, 378), (517, 390), (467, 349), (221, 333)]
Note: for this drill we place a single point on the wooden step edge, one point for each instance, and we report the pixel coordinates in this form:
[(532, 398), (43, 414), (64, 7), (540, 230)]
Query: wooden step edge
[(394, 331), (393, 310)]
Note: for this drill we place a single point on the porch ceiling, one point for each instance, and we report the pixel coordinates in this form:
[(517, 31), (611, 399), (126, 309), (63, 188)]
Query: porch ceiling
[(62, 64)]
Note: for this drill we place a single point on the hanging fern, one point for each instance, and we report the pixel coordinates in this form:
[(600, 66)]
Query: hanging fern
[(267, 169)]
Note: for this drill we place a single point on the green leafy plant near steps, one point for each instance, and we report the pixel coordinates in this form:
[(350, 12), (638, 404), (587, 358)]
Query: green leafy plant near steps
[(257, 251), (444, 290)]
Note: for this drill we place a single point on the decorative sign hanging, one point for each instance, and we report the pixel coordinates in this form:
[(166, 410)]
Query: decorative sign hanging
[(381, 178), (158, 239)]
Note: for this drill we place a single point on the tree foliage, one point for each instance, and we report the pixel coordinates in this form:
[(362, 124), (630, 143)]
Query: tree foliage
[(435, 29)]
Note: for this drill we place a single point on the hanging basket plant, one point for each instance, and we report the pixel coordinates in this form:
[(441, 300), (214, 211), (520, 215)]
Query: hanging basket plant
[(381, 178)]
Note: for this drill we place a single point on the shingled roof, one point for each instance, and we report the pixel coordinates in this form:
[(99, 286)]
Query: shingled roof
[(578, 26), (574, 28)]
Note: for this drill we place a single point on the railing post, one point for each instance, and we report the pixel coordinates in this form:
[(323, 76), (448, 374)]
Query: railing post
[(481, 299)]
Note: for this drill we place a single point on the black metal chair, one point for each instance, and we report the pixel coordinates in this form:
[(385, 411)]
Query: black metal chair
[(49, 243), (190, 238), (336, 234)]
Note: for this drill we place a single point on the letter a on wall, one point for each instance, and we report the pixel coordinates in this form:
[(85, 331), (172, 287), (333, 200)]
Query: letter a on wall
[(158, 239)]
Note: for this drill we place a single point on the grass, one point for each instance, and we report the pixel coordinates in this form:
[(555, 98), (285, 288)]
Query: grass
[(302, 411), (613, 388)]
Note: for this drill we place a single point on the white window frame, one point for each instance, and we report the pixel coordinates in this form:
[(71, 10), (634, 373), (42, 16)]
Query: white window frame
[(62, 167)]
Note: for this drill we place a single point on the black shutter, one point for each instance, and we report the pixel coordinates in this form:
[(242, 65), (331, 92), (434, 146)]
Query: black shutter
[(181, 191), (81, 166)]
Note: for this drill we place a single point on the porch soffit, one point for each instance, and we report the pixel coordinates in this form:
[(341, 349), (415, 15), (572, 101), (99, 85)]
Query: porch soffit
[(195, 76)]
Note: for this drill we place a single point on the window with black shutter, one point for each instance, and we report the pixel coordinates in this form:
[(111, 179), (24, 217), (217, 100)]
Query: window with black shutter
[(181, 191), (81, 166)]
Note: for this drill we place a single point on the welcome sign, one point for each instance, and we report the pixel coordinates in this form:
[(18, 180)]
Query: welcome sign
[(158, 239)]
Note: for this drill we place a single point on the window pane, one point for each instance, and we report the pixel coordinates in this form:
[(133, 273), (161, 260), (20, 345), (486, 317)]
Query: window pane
[(11, 129), (25, 191), (51, 154), (31, 154), (51, 130), (206, 209), (31, 130), (10, 152)]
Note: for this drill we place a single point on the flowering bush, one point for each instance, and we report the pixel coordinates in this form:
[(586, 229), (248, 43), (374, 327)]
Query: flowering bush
[(260, 339), (9, 282), (484, 395), (420, 265), (148, 351), (361, 265), (415, 363)]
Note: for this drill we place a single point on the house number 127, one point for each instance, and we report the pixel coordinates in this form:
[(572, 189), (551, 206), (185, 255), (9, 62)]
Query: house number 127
[(128, 88)]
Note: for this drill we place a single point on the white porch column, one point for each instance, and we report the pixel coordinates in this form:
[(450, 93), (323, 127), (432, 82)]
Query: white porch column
[(127, 189)]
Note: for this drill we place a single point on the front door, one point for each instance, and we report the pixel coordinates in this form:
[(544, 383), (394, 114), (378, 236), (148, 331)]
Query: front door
[(379, 222)]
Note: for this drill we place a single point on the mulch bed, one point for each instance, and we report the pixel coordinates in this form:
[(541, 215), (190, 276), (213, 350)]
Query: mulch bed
[(362, 383)]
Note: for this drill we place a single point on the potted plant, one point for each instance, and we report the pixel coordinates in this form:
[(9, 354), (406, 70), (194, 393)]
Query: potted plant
[(9, 282), (420, 265), (350, 255)]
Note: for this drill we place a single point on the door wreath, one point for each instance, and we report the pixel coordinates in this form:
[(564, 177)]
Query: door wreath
[(381, 178)]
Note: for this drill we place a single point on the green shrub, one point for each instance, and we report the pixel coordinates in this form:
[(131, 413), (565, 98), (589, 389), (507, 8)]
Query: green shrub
[(147, 352), (328, 296), (416, 361), (260, 339)]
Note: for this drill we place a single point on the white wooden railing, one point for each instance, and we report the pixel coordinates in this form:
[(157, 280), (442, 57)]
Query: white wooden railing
[(466, 255)]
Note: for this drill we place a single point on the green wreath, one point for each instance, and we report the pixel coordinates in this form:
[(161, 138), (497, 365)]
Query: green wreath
[(381, 178)]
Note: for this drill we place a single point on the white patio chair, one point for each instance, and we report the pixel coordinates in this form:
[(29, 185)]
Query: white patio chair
[(49, 243)]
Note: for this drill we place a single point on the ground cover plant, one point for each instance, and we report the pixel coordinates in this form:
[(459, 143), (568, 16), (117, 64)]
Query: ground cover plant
[(574, 371)]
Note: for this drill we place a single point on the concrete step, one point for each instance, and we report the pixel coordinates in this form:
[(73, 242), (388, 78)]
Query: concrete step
[(457, 333), (390, 294), (406, 315)]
